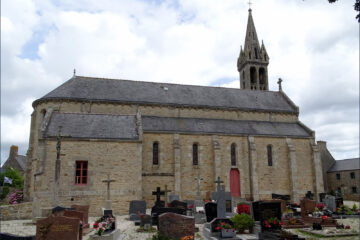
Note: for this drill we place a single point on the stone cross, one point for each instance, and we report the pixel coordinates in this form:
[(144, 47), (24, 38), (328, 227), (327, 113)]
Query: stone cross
[(166, 195), (221, 202), (158, 193), (108, 181), (57, 169), (218, 182), (279, 82), (198, 196)]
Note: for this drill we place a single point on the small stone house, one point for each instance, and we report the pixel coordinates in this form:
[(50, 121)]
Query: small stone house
[(343, 178), (15, 160)]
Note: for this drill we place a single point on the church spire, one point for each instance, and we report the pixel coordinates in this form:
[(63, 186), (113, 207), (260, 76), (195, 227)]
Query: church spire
[(253, 60)]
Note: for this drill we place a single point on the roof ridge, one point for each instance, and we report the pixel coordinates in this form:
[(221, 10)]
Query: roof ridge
[(190, 85), (103, 114)]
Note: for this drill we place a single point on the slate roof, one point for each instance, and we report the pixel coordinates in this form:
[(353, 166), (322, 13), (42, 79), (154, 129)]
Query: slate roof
[(125, 91), (345, 165), (21, 160), (220, 126), (93, 126)]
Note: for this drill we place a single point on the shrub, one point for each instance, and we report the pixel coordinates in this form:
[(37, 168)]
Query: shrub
[(16, 197), (242, 222), (17, 181), (355, 208)]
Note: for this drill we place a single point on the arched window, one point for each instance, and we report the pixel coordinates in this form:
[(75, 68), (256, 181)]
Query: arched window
[(249, 55), (233, 154), (269, 154), (155, 153), (256, 53), (262, 76), (253, 75), (195, 154)]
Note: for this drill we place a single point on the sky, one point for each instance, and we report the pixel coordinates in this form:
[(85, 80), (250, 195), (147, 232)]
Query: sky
[(313, 46)]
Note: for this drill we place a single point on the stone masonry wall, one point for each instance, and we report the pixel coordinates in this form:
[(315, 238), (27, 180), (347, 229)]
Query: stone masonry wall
[(345, 183), (16, 211), (121, 159)]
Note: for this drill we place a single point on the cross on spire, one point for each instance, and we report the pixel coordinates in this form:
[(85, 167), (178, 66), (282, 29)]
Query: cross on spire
[(279, 82), (249, 4)]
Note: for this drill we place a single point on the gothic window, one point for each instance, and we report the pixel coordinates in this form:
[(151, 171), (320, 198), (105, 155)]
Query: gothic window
[(155, 153), (262, 76), (269, 155), (256, 53), (252, 75), (195, 154), (233, 154), (265, 57), (352, 175), (81, 172)]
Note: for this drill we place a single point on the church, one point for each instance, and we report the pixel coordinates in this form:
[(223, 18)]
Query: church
[(144, 135)]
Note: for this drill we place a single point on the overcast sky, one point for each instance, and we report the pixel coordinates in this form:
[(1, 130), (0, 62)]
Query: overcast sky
[(313, 46)]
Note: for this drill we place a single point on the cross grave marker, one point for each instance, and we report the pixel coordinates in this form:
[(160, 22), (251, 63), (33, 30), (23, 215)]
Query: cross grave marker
[(158, 193), (166, 195), (198, 195), (108, 201)]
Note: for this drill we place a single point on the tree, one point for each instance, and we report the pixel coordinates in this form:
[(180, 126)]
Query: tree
[(356, 8), (17, 181)]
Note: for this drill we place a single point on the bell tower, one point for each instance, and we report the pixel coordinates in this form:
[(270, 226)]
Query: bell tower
[(253, 60)]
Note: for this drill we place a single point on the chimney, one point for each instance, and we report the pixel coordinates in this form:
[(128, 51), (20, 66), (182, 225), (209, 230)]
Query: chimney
[(13, 151)]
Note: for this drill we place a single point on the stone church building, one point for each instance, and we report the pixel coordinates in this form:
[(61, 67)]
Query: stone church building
[(149, 134)]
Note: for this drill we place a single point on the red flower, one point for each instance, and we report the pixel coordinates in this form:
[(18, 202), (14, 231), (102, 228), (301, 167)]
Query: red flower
[(217, 228), (96, 225), (274, 222), (281, 223), (223, 223), (347, 227), (324, 217)]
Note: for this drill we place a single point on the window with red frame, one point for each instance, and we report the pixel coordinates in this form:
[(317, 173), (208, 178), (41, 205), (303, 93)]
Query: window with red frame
[(81, 172)]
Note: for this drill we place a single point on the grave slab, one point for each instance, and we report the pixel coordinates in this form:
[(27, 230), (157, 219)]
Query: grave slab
[(58, 228), (176, 226)]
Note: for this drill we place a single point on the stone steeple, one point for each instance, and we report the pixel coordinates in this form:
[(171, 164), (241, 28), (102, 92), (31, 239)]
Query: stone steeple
[(253, 60)]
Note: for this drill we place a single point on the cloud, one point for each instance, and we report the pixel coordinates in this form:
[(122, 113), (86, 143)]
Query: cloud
[(312, 47)]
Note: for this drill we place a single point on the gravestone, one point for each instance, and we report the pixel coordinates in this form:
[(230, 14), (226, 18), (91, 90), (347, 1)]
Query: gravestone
[(157, 211), (309, 195), (270, 209), (190, 203), (221, 202), (330, 203), (208, 195), (322, 197), (198, 179), (339, 201), (8, 236), (228, 200), (158, 193), (59, 209), (145, 219), (58, 228), (173, 197), (178, 204), (75, 214), (256, 210), (307, 206), (279, 196), (210, 211), (84, 209), (136, 208), (108, 201), (107, 213), (176, 226)]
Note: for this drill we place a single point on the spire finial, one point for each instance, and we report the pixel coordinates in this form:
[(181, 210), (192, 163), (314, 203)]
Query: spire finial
[(74, 72), (279, 82), (249, 5)]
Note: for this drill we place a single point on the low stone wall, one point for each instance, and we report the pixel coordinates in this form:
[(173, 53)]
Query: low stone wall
[(16, 211)]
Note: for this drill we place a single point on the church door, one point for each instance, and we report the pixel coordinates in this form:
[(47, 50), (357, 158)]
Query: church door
[(235, 182)]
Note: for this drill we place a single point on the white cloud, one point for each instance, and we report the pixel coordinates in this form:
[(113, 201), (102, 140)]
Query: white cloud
[(312, 47)]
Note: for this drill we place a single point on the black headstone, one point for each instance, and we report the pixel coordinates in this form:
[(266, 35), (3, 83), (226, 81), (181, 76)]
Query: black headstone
[(309, 195), (59, 209), (108, 212), (256, 210), (322, 196), (137, 207), (8, 236), (210, 211), (269, 210), (156, 211), (279, 196), (178, 204)]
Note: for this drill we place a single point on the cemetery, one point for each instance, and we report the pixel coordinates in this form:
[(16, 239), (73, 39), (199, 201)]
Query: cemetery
[(175, 219)]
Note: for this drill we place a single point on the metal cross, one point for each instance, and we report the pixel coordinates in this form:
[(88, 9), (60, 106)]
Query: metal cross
[(158, 193), (108, 181), (249, 4), (279, 82)]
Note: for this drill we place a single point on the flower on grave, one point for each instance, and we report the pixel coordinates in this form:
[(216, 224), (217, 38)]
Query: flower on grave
[(347, 227), (141, 216), (243, 208), (188, 238), (217, 228), (292, 221), (320, 206), (223, 225), (191, 206), (273, 223), (267, 224), (96, 225), (324, 217)]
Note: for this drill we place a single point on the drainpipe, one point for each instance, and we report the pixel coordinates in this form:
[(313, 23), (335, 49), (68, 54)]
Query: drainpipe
[(43, 162)]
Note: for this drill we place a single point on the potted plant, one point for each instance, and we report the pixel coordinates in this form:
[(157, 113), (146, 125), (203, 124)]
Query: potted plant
[(242, 222), (227, 231)]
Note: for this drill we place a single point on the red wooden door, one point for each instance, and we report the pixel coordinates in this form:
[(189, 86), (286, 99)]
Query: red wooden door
[(235, 182)]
